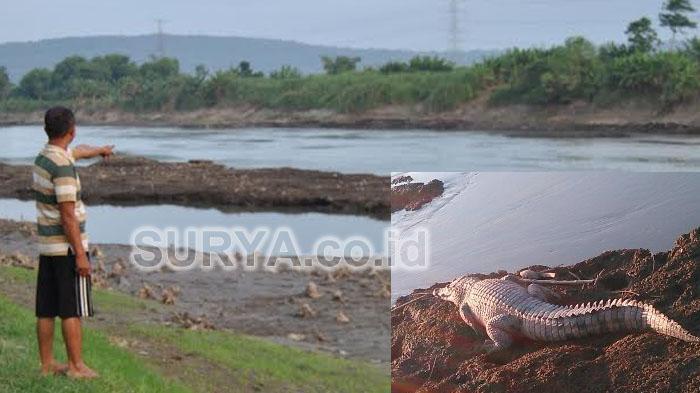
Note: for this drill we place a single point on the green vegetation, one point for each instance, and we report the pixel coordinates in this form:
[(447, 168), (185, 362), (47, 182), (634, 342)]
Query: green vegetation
[(340, 64), (674, 16), (577, 70), (272, 365), (242, 362), (121, 371)]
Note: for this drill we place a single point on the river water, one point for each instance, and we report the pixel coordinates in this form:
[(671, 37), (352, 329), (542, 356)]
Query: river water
[(490, 221), (114, 224), (375, 151)]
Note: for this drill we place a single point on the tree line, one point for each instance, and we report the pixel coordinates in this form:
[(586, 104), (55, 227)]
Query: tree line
[(576, 70)]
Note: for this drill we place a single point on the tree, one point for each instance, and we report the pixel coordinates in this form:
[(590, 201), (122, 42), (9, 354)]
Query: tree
[(115, 67), (675, 17), (245, 70), (641, 35), (286, 72), (393, 67), (5, 84), (36, 84), (160, 68), (427, 63), (201, 73), (340, 64)]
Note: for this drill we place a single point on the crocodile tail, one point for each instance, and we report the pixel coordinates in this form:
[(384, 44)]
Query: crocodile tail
[(660, 323), (604, 317)]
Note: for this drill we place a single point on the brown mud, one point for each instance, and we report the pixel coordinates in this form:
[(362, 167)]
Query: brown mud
[(578, 119), (124, 180), (409, 195), (433, 350), (292, 307)]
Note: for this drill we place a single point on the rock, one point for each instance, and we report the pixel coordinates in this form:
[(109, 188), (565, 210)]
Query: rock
[(305, 311), (341, 273), (338, 295), (118, 269), (320, 337), (100, 267), (146, 292), (96, 252), (18, 260), (341, 317), (169, 295), (201, 323), (99, 281), (312, 290), (296, 337)]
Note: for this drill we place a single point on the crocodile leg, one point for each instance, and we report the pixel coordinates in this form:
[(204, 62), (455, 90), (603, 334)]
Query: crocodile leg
[(469, 318), (499, 330)]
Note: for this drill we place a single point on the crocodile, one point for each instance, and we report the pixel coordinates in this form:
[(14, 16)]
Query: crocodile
[(506, 310)]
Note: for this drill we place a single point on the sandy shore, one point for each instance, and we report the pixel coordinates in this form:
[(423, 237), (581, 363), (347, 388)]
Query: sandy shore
[(279, 306), (135, 181), (578, 119), (433, 350)]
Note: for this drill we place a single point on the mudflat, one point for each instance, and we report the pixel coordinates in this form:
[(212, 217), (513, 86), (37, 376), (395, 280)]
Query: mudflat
[(126, 180)]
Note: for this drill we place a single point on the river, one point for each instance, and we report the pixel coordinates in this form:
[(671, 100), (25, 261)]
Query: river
[(490, 221), (375, 151), (114, 224)]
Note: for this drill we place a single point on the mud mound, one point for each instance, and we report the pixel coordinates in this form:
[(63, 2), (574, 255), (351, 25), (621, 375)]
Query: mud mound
[(413, 196), (433, 350), (132, 180)]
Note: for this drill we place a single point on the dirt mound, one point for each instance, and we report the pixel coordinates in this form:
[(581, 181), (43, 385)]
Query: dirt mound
[(413, 196), (433, 350), (131, 180)]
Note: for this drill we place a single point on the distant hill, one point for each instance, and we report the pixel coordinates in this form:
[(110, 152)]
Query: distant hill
[(214, 52)]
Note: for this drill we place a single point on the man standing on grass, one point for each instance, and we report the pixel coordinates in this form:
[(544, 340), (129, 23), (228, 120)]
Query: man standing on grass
[(63, 284)]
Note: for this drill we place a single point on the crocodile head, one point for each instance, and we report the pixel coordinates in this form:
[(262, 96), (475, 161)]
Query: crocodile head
[(457, 290)]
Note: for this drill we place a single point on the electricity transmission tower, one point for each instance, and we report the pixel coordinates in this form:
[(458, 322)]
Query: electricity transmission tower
[(455, 34), (160, 39)]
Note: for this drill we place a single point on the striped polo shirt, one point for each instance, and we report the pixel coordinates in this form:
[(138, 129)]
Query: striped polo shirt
[(56, 181)]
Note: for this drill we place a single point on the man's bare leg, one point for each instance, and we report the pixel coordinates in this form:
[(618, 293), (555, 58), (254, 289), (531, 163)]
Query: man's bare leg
[(73, 337), (44, 333)]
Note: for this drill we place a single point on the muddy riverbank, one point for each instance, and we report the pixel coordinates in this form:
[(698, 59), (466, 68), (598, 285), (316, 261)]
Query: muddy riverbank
[(124, 180), (342, 312), (432, 349), (578, 119)]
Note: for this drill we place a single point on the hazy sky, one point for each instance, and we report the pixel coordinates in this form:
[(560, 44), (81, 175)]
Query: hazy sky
[(412, 24)]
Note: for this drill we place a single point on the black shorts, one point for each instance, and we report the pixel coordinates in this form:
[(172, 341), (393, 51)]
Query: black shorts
[(60, 290)]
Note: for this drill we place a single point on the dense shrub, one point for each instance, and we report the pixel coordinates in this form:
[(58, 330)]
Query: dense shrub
[(576, 70)]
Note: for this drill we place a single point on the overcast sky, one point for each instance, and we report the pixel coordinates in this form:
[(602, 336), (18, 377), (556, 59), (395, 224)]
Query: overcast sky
[(410, 24)]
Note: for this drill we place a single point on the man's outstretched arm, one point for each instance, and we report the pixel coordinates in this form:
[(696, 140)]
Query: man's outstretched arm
[(85, 151), (71, 227)]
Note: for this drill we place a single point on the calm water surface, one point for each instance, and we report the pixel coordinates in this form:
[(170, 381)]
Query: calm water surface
[(375, 151), (113, 224), (490, 221)]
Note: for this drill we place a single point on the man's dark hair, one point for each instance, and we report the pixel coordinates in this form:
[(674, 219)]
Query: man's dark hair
[(57, 121)]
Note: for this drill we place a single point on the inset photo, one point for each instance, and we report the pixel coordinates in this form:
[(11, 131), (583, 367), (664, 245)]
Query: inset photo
[(545, 281)]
